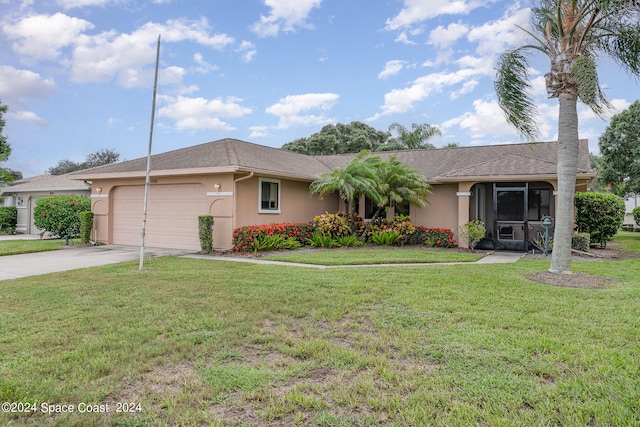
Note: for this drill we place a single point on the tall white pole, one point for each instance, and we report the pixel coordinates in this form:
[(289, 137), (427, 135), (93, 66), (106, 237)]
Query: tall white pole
[(147, 180)]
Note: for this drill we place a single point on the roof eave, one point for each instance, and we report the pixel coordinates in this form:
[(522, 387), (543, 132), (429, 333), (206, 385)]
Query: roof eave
[(506, 178)]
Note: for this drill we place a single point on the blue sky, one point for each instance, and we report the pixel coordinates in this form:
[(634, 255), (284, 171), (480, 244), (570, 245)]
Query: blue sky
[(77, 75)]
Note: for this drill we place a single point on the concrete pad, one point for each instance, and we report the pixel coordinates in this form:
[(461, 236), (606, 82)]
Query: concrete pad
[(17, 266)]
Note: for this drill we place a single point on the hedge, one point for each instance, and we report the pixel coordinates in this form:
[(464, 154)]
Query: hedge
[(205, 233), (8, 218), (243, 237), (59, 215), (599, 214)]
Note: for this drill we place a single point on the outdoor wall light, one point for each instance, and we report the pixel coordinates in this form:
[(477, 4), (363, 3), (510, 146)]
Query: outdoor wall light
[(218, 187), (99, 190)]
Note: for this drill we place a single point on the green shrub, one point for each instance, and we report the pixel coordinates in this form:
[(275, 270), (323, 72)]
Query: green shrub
[(636, 215), (8, 219), (86, 226), (472, 232), (334, 225), (400, 225), (243, 237), (60, 215), (205, 233), (348, 241), (581, 241), (600, 215), (384, 238), (319, 240), (434, 237), (273, 242)]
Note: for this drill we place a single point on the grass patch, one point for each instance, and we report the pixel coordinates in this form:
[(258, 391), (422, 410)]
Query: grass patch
[(366, 256), (15, 247), (201, 342), (628, 240)]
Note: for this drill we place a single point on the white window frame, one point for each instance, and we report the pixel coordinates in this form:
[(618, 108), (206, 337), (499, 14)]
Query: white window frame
[(269, 180)]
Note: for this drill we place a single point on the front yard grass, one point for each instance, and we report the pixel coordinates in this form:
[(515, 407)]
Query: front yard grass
[(15, 247), (372, 255), (202, 342)]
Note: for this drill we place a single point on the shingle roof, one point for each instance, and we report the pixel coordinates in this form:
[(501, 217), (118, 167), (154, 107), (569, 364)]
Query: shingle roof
[(46, 183), (225, 154), (454, 164), (443, 164)]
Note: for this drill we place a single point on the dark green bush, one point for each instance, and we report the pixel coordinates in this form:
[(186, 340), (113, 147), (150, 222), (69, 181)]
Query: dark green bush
[(636, 215), (8, 219), (581, 241), (86, 225), (205, 232), (600, 215), (59, 215)]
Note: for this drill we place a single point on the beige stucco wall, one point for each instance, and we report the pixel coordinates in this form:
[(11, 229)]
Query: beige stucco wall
[(442, 210), (296, 204), (235, 204)]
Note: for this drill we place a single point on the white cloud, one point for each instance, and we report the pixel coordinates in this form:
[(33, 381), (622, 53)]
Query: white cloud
[(26, 116), (416, 11), (495, 37), (401, 100), (486, 120), (391, 68), (259, 132), (42, 36), (200, 113), (248, 51), (285, 15), (101, 57), (289, 109), (444, 37), (18, 85), (70, 4)]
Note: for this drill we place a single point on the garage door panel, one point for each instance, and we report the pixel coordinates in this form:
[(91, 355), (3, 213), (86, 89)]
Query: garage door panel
[(172, 215)]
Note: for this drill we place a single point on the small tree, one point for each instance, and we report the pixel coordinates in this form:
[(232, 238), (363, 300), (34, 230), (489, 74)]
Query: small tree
[(472, 232), (60, 215), (600, 215)]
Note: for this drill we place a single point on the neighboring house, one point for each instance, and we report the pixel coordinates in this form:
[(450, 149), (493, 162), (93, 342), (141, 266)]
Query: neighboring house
[(24, 193), (631, 202), (509, 187)]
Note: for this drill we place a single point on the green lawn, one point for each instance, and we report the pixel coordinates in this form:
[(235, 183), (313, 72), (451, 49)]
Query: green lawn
[(202, 342), (15, 247), (373, 255)]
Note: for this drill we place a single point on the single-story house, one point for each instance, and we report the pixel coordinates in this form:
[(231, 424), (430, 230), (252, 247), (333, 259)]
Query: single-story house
[(24, 193), (631, 201), (509, 187)]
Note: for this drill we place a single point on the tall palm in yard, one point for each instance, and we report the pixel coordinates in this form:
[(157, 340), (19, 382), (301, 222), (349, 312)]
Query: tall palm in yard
[(413, 139), (399, 183), (572, 34), (355, 179)]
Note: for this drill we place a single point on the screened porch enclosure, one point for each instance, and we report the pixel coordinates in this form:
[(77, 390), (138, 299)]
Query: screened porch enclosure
[(512, 212)]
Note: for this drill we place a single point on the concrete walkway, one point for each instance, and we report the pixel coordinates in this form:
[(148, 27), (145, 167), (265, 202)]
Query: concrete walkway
[(17, 266), (491, 258)]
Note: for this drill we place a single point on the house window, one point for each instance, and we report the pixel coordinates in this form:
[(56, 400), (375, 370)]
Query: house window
[(539, 204), (269, 197)]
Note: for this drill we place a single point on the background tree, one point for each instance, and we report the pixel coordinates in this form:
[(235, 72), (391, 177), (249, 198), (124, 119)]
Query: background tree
[(99, 158), (6, 175), (413, 139), (572, 34), (620, 148), (340, 139)]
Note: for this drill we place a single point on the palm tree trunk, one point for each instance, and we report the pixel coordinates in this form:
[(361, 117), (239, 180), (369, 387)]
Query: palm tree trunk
[(567, 165)]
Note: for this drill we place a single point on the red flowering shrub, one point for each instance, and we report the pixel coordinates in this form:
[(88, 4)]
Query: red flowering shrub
[(434, 237), (59, 215), (243, 237)]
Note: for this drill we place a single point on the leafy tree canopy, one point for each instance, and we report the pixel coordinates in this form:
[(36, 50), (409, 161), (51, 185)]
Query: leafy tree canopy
[(620, 148), (5, 148), (340, 139), (99, 158)]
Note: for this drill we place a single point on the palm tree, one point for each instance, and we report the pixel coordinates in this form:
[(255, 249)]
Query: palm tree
[(355, 179), (572, 34), (399, 183), (413, 139)]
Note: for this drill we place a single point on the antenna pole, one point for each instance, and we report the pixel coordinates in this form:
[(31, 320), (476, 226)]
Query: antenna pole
[(147, 180)]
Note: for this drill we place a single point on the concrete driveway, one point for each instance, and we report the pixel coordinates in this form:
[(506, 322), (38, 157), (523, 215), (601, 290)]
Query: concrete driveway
[(17, 266)]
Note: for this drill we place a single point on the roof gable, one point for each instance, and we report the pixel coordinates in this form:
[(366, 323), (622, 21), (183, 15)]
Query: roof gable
[(47, 183)]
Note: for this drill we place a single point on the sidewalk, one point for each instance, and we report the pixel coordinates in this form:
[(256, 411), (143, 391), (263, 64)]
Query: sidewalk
[(491, 258)]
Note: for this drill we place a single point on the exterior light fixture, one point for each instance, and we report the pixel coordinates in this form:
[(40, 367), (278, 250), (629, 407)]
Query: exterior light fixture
[(218, 187), (99, 190)]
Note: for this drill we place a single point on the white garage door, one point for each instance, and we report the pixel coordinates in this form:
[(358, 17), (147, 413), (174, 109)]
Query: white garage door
[(172, 215)]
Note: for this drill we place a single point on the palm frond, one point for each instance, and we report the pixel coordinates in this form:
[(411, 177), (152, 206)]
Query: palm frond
[(512, 89)]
